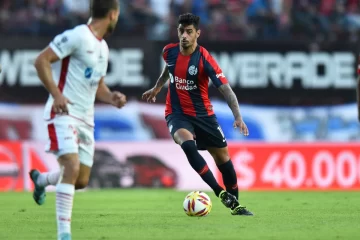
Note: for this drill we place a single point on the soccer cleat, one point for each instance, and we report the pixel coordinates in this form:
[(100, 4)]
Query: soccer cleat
[(64, 236), (39, 192), (228, 200), (241, 210)]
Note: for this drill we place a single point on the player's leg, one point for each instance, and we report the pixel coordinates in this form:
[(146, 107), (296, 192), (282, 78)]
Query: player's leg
[(84, 176), (226, 167), (86, 155), (223, 162), (183, 134), (65, 191), (212, 139), (45, 179), (42, 180)]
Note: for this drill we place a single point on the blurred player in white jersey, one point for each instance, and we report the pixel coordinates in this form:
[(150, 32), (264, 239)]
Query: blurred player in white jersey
[(69, 111)]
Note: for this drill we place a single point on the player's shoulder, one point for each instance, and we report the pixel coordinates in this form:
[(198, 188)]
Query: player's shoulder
[(170, 46), (204, 52), (79, 29), (78, 32)]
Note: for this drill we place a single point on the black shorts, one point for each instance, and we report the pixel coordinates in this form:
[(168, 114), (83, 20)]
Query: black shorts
[(206, 130)]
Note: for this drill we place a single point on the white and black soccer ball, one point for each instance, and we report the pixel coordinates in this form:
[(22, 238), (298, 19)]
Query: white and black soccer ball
[(197, 204)]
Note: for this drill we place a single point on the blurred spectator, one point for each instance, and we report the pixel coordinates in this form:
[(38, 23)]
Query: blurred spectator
[(77, 11), (317, 20)]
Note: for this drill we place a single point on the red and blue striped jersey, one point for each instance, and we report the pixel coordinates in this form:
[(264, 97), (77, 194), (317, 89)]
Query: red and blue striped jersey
[(189, 81)]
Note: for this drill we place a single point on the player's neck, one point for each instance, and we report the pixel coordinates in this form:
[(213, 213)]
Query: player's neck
[(98, 28), (188, 51)]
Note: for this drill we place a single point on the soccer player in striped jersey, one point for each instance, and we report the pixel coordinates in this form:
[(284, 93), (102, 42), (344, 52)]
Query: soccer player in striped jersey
[(189, 113)]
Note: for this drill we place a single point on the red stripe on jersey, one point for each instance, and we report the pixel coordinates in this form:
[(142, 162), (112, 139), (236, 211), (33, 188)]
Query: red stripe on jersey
[(180, 81), (219, 74), (64, 70), (54, 146), (358, 70), (204, 88)]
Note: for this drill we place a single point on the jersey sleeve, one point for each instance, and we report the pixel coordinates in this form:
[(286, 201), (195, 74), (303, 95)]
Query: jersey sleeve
[(213, 71), (166, 50), (66, 43)]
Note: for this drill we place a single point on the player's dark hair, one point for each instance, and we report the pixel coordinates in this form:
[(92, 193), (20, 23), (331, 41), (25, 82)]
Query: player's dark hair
[(100, 8), (189, 19)]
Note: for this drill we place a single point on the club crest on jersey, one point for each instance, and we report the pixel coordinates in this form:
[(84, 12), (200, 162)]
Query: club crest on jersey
[(88, 72), (193, 70)]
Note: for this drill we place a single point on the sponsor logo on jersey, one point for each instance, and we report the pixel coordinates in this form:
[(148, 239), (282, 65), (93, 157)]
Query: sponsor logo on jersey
[(183, 84), (88, 72)]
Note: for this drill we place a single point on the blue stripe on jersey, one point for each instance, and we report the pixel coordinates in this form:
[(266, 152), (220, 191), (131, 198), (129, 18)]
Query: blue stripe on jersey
[(193, 75), (171, 60), (212, 74)]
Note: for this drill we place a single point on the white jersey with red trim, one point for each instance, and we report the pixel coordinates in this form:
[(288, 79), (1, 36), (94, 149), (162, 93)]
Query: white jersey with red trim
[(84, 62)]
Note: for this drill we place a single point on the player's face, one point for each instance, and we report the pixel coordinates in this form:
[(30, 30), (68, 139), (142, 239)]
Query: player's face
[(114, 17), (188, 35)]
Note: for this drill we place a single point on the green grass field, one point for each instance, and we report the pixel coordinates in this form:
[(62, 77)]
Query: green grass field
[(158, 214)]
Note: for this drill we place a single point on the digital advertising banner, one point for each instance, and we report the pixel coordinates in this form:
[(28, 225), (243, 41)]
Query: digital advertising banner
[(162, 164)]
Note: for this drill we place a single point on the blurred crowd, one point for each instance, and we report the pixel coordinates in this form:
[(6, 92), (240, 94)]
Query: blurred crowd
[(220, 19)]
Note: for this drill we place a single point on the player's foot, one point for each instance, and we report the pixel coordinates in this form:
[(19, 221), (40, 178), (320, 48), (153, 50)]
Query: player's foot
[(39, 192), (241, 210), (228, 200), (64, 236)]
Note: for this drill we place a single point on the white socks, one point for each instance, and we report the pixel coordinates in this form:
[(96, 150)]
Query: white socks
[(48, 178), (64, 204)]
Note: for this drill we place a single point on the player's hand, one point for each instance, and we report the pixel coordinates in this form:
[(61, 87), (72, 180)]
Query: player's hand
[(239, 123), (60, 105), (150, 95), (118, 99)]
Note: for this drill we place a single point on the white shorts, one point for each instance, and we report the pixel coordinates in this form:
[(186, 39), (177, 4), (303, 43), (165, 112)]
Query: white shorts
[(70, 135)]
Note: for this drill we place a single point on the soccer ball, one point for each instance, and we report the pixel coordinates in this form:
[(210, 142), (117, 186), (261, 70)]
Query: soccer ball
[(197, 204)]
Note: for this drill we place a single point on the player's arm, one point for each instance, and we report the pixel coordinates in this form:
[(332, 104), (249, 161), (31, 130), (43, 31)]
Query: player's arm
[(104, 94), (150, 95), (61, 47), (231, 99), (217, 77), (164, 77), (43, 67), (219, 80)]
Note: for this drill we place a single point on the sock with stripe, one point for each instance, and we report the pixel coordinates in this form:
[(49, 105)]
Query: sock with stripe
[(229, 178), (48, 178), (199, 164), (64, 204)]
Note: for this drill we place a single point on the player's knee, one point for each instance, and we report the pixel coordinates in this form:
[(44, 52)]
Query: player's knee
[(182, 135), (189, 147), (71, 172), (81, 183), (71, 168)]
